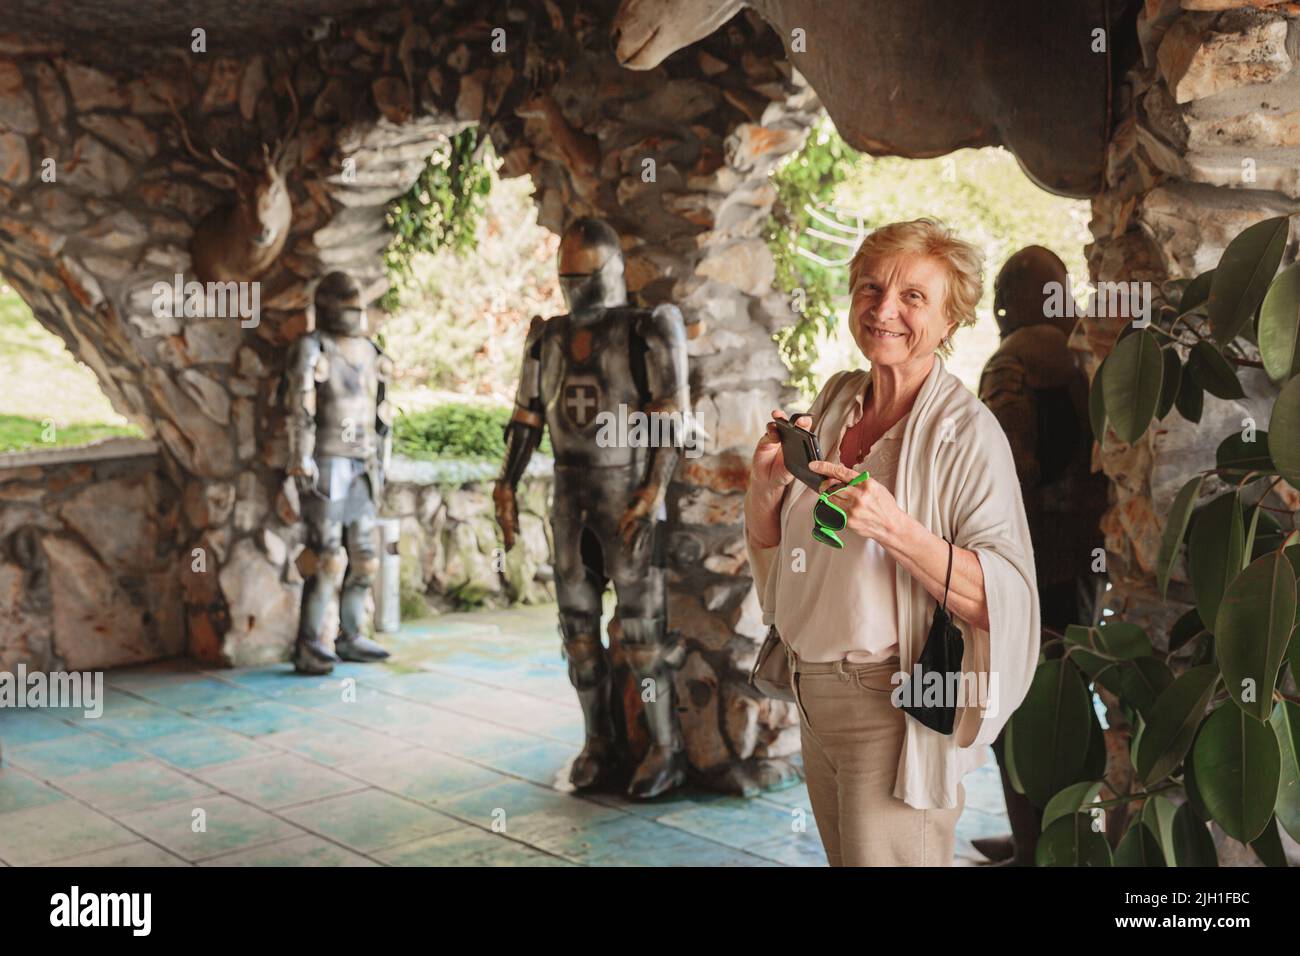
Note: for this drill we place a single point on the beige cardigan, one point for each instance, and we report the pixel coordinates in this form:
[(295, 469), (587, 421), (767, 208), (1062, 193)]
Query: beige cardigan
[(956, 477)]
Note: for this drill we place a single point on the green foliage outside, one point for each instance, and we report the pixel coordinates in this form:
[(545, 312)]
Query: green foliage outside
[(455, 431), (808, 178), (27, 434), (1215, 721), (442, 209), (47, 398), (830, 197)]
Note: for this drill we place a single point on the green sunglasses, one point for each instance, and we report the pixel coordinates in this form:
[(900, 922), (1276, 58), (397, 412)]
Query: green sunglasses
[(828, 517)]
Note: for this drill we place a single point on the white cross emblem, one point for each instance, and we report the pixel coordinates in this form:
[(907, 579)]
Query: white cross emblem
[(581, 399)]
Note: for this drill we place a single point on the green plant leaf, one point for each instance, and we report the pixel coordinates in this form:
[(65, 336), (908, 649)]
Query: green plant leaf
[(1158, 814), (1094, 764), (1194, 798), (1196, 292), (1187, 628), (1171, 725), (1051, 731), (1142, 681), (1238, 456), (1117, 640), (1214, 551), (1279, 326), (1237, 771), (1284, 433), (1243, 276), (1191, 399), (1170, 383), (1286, 726), (1131, 380), (1252, 629), (1268, 845), (1139, 847), (1070, 801), (1249, 542), (1175, 527), (1192, 842), (1071, 841), (1009, 758), (1209, 369), (1097, 405)]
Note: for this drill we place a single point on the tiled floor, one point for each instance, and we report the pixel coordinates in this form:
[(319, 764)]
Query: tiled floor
[(454, 752)]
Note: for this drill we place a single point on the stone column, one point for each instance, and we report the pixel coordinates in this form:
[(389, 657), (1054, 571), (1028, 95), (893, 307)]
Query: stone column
[(1205, 144), (678, 160)]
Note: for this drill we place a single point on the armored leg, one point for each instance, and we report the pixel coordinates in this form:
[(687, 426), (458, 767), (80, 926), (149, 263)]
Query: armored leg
[(363, 564), (653, 661), (325, 538), (578, 589), (589, 672)]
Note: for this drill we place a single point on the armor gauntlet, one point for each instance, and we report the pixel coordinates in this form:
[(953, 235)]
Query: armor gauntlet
[(523, 433), (301, 398)]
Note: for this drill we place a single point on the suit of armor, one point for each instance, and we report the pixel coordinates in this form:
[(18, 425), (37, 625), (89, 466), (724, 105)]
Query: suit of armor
[(1039, 395), (339, 445), (604, 359)]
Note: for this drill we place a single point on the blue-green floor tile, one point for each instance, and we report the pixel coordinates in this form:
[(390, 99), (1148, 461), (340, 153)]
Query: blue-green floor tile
[(31, 726), (18, 792), (200, 748), (68, 755)]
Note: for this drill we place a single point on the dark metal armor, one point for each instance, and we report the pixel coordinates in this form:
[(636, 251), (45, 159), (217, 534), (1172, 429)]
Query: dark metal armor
[(1039, 394), (582, 372), (339, 445)]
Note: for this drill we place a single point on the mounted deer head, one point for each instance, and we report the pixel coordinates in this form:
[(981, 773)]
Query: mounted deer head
[(240, 241)]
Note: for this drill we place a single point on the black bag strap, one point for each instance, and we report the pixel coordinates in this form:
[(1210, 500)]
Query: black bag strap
[(947, 580)]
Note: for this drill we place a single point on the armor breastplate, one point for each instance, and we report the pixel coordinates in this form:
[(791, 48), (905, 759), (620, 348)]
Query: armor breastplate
[(586, 371), (346, 391)]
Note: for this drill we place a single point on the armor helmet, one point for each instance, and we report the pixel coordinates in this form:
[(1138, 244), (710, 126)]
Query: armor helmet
[(339, 308), (1019, 298), (591, 267)]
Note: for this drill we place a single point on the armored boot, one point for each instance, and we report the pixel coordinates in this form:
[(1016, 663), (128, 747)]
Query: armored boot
[(649, 654), (311, 654), (352, 645), (589, 673)]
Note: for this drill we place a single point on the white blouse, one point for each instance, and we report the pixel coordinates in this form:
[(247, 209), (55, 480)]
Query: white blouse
[(839, 604)]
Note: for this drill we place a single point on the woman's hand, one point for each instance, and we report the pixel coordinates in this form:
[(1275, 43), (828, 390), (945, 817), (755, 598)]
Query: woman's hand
[(871, 509), (768, 480), (767, 469)]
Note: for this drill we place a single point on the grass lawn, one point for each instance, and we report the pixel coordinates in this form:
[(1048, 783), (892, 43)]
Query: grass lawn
[(47, 397)]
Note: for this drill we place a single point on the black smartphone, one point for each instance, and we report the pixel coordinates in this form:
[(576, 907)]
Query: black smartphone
[(799, 447)]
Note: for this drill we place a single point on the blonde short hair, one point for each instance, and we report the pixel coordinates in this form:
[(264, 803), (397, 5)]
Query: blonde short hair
[(963, 262)]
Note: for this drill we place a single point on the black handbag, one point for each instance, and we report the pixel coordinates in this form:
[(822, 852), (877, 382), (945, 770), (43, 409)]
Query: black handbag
[(940, 660)]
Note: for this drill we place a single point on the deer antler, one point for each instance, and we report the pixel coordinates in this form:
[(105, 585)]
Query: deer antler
[(283, 144), (183, 127)]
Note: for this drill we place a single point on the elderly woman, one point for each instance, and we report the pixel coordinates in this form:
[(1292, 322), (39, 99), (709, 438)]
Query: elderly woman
[(886, 789)]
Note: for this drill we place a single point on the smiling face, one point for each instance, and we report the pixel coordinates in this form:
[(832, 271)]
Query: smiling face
[(897, 315)]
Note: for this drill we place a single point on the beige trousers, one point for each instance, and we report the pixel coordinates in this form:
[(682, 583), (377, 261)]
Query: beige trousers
[(852, 736)]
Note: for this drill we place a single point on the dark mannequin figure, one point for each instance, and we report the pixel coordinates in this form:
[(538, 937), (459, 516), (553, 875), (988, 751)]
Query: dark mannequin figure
[(1040, 397), (339, 442), (608, 511)]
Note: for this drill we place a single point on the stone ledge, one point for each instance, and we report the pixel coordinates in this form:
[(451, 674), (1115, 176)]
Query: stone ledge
[(456, 471), (99, 450)]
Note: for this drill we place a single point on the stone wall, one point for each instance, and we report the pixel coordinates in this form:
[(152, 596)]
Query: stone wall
[(1207, 143), (88, 576), (450, 547)]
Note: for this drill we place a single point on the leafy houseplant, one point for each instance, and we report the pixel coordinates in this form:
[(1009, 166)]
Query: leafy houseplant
[(1214, 722)]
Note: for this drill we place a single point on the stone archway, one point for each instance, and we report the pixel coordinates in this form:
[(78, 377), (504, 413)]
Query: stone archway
[(677, 160), (381, 89)]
